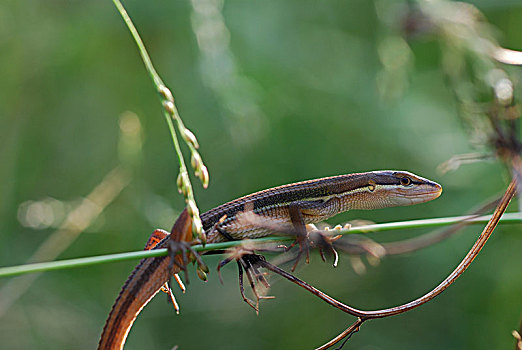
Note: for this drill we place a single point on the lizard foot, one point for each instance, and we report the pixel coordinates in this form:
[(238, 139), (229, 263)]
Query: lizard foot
[(304, 248), (248, 262), (181, 253), (301, 235), (323, 241)]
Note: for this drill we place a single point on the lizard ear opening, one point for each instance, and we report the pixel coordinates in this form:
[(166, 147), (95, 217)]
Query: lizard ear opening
[(371, 185)]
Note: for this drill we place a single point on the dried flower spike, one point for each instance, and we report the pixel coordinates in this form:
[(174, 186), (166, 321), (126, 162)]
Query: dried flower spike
[(189, 137), (203, 176), (196, 161), (197, 229), (182, 181), (169, 107), (165, 93), (192, 209)]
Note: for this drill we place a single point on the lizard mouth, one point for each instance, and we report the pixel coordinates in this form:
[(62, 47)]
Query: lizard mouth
[(420, 196), (431, 194)]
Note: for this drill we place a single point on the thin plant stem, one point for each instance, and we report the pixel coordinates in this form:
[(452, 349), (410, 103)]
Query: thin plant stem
[(171, 113), (354, 327), (82, 262), (141, 46)]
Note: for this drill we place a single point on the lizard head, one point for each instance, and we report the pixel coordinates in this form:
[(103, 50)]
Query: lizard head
[(398, 188)]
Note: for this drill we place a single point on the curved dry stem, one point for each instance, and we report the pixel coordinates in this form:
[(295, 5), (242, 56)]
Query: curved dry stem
[(348, 332), (171, 114), (459, 270)]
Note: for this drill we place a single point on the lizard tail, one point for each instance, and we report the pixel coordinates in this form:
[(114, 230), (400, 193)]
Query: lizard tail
[(142, 285)]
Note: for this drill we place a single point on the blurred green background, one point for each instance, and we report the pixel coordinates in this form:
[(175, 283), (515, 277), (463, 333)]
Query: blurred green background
[(276, 92)]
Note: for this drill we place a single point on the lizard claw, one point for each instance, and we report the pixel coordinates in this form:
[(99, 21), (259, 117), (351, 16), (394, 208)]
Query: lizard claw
[(357, 246), (179, 246), (304, 249), (181, 261), (323, 240), (301, 236), (181, 253), (248, 262), (251, 264)]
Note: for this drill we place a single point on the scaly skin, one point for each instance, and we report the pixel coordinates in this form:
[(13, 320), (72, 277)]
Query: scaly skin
[(142, 285), (316, 201)]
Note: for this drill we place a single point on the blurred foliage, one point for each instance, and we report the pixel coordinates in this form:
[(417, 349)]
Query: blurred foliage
[(276, 92)]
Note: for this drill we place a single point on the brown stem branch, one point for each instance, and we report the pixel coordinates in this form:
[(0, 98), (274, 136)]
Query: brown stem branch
[(354, 327), (465, 263)]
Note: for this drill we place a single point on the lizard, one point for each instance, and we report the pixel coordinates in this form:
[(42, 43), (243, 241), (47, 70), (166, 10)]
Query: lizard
[(311, 201)]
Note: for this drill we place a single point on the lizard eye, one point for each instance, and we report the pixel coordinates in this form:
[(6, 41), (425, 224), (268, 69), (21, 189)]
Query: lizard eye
[(405, 181), (371, 186)]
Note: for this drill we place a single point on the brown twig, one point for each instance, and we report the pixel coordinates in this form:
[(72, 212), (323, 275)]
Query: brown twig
[(347, 333)]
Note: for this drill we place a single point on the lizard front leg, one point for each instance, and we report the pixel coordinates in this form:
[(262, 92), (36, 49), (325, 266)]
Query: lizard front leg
[(307, 235)]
